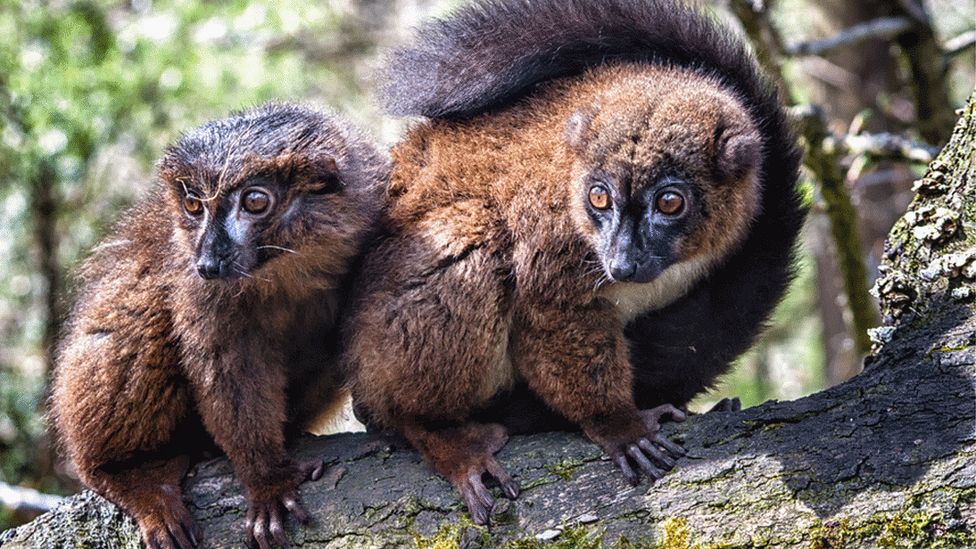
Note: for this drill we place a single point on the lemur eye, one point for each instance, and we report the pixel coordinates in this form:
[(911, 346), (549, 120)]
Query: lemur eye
[(255, 201), (599, 197), (670, 203), (192, 204)]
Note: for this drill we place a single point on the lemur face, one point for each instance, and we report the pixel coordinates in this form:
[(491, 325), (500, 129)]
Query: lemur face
[(230, 231), (665, 181), (638, 225), (258, 196)]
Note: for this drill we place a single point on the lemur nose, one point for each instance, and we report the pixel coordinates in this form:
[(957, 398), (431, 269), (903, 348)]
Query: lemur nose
[(209, 267), (622, 270)]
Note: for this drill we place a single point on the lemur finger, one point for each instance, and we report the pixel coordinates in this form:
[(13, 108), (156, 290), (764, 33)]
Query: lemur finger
[(658, 455), (674, 449), (474, 480), (249, 528), (179, 536), (261, 529), (510, 487), (276, 525), (628, 471), (479, 515), (291, 503), (313, 469), (645, 464)]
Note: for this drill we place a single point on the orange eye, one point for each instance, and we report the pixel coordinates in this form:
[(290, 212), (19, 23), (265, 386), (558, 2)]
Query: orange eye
[(670, 203), (256, 202), (192, 205), (599, 197)]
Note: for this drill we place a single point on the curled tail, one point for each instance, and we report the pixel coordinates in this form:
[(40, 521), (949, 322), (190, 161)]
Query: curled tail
[(491, 52)]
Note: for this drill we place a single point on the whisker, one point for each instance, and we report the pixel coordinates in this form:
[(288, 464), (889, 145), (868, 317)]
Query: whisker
[(282, 248), (240, 269)]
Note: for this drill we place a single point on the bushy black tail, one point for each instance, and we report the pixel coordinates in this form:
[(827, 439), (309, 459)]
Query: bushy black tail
[(491, 52)]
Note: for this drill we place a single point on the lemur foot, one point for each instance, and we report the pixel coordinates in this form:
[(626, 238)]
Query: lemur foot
[(732, 404), (639, 441), (464, 455), (266, 514), (170, 525)]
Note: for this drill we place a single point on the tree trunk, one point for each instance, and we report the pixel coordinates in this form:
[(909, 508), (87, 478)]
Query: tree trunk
[(886, 459)]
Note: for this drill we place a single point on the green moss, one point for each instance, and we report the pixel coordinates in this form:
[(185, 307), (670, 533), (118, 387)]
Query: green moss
[(676, 534), (451, 536), (906, 529), (564, 468)]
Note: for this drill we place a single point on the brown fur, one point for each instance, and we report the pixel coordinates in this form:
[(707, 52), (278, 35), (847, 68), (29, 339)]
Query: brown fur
[(157, 362), (488, 274)]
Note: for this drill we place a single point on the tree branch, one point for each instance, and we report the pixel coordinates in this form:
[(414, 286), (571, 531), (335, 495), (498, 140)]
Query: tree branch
[(26, 500), (959, 44), (881, 28)]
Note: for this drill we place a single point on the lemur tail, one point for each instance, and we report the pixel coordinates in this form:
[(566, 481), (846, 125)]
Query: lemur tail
[(491, 52)]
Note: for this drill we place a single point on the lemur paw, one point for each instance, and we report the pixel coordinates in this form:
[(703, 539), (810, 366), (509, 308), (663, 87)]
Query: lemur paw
[(170, 526), (639, 442), (726, 405), (265, 524)]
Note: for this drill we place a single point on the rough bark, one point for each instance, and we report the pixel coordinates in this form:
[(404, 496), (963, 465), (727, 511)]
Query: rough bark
[(887, 459)]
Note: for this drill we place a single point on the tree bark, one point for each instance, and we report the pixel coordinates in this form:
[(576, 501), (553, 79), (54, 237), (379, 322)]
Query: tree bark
[(886, 459)]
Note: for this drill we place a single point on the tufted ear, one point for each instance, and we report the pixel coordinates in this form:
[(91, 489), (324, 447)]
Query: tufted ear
[(323, 176), (738, 151), (577, 130)]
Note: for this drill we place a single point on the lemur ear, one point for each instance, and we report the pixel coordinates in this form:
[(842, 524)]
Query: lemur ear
[(324, 177), (737, 152), (578, 128)]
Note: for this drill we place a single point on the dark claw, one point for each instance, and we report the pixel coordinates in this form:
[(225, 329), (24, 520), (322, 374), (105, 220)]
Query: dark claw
[(629, 474), (726, 405), (314, 469), (658, 455), (511, 489), (671, 447), (189, 527)]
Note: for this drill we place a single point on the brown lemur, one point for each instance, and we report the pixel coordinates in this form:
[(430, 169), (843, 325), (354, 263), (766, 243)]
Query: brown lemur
[(597, 215), (209, 316)]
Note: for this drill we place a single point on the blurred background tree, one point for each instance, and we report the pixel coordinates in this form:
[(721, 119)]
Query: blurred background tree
[(91, 91)]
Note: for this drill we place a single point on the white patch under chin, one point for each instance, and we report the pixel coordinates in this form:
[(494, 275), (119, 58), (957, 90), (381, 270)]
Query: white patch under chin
[(633, 299)]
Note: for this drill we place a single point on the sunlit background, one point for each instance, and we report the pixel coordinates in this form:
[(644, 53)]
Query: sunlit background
[(91, 92)]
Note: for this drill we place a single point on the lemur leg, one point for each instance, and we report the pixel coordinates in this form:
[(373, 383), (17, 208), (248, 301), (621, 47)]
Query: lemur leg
[(463, 455), (124, 411), (429, 345), (150, 491), (579, 365), (247, 421)]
